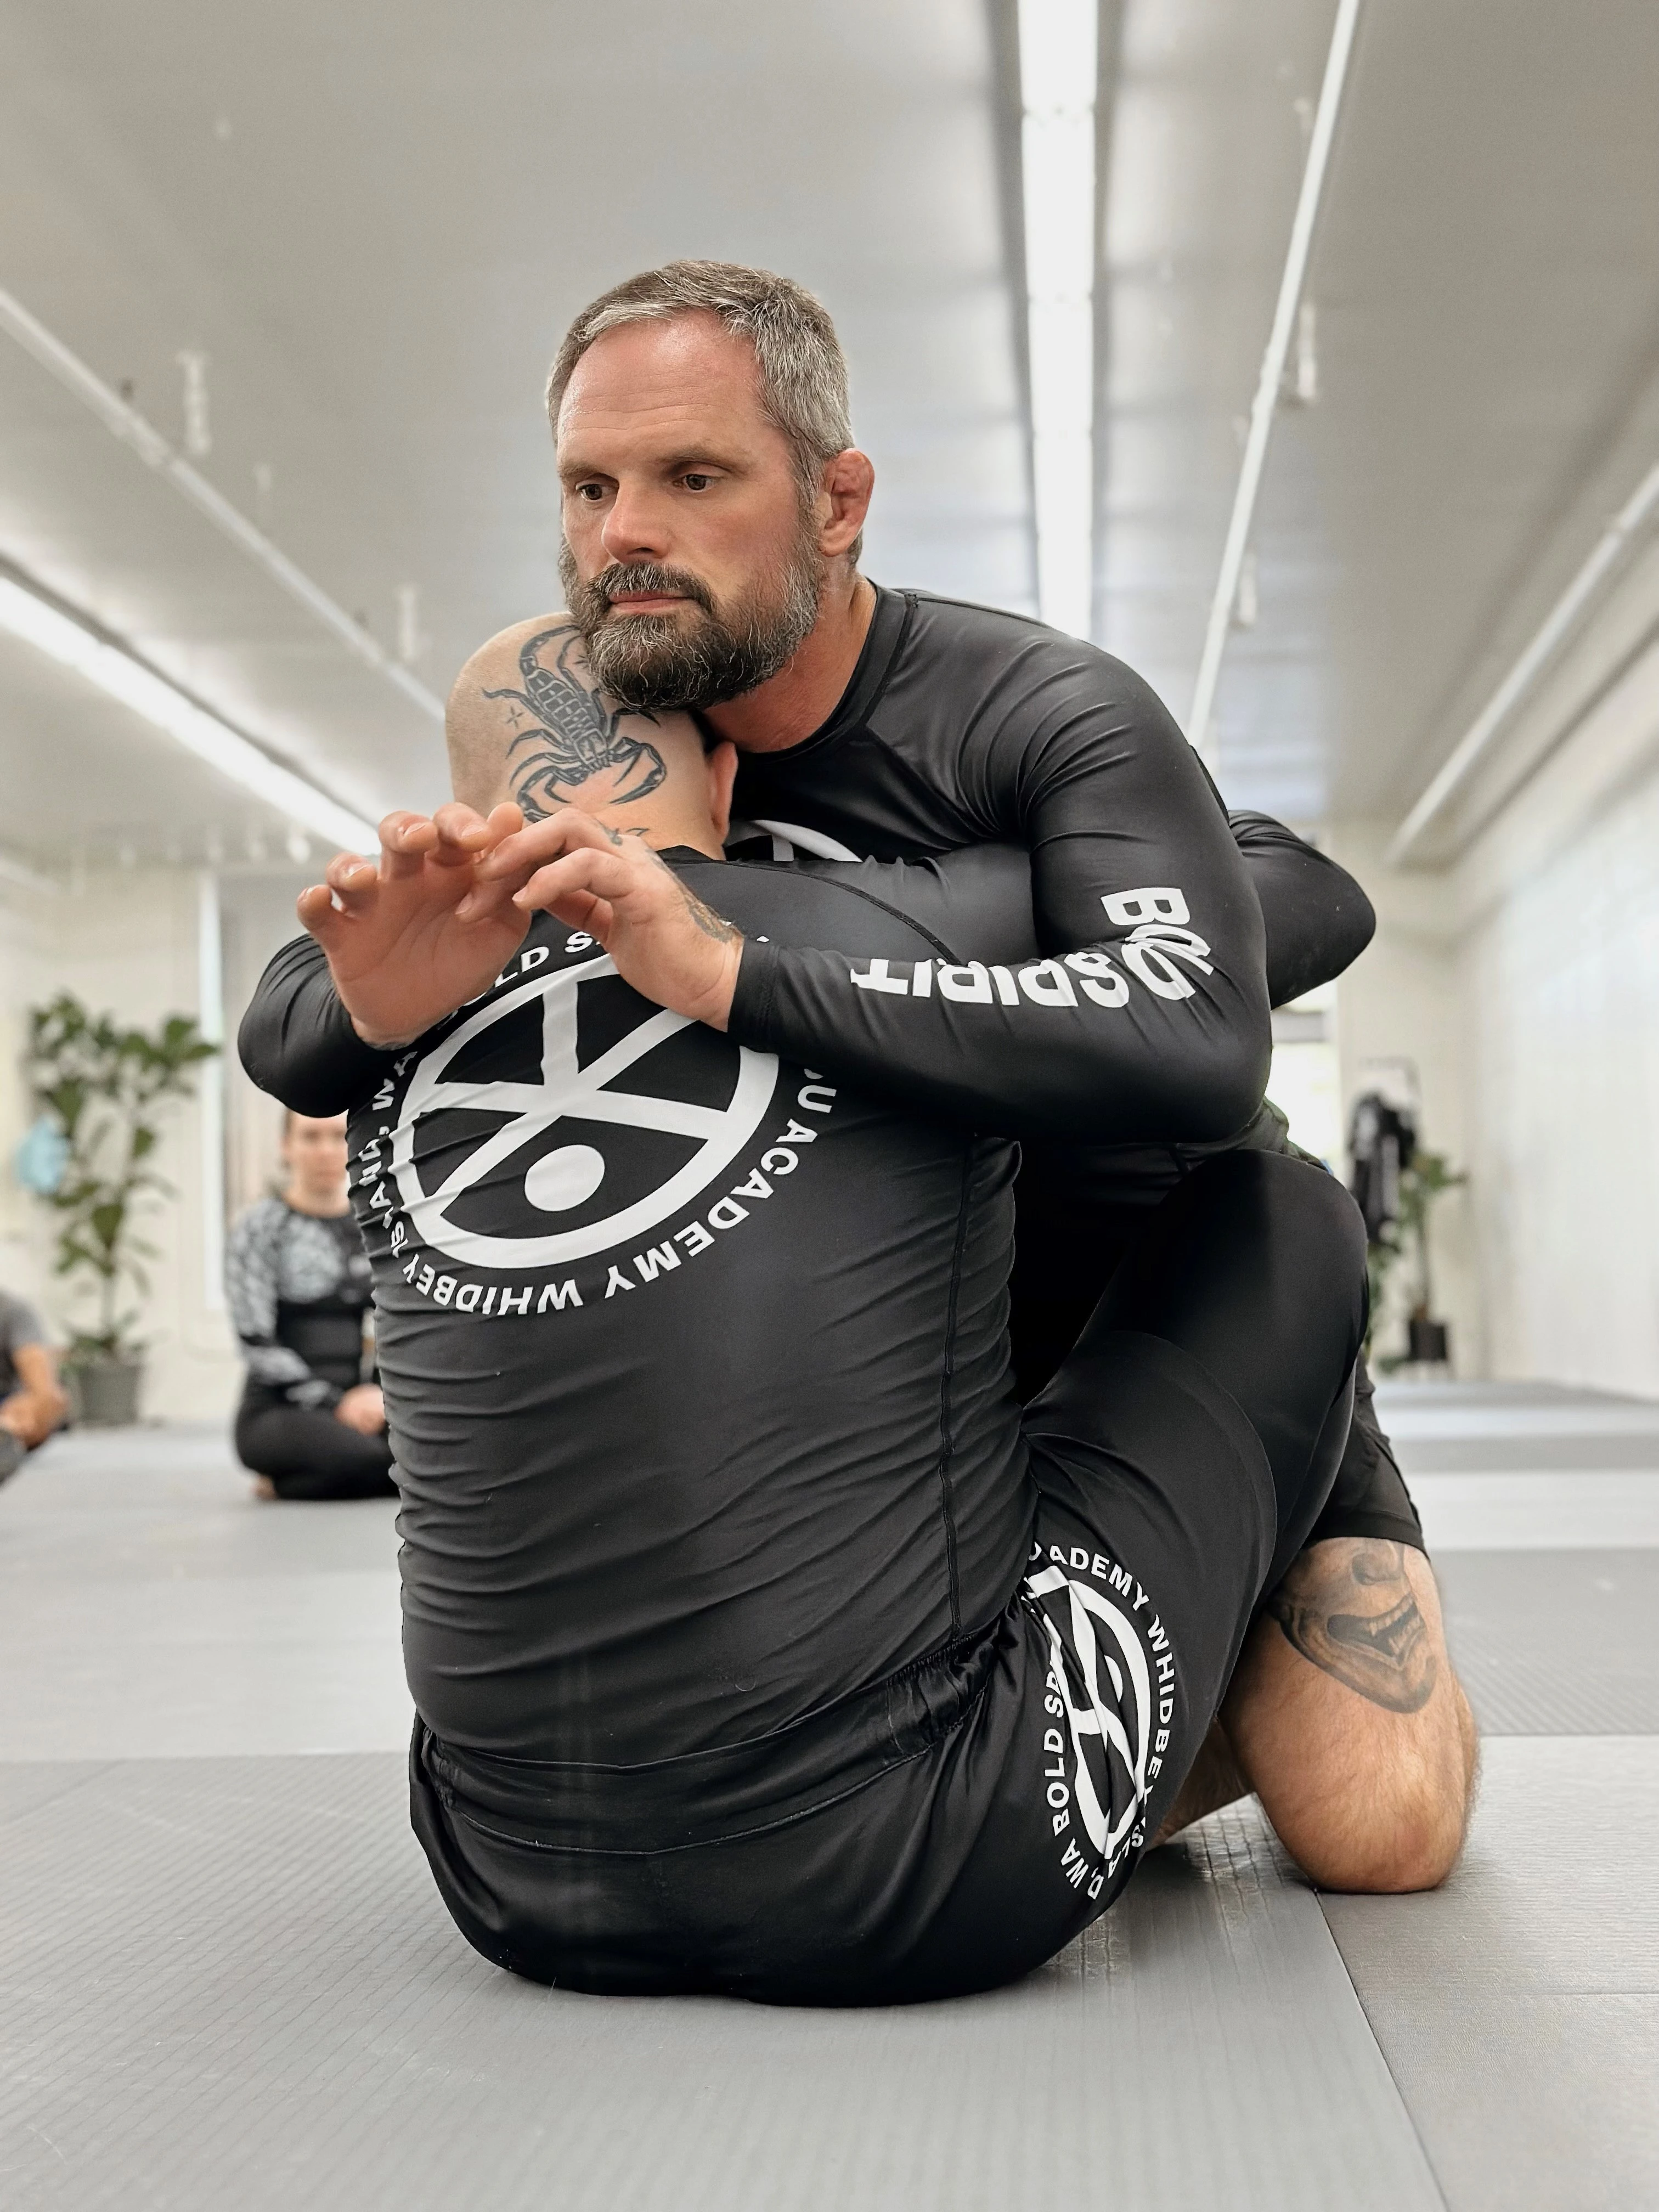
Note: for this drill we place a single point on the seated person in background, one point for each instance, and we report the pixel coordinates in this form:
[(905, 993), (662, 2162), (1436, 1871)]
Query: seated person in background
[(31, 1399), (298, 1282)]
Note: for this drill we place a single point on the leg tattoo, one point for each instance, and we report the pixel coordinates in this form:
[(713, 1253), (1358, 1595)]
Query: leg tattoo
[(1354, 1616)]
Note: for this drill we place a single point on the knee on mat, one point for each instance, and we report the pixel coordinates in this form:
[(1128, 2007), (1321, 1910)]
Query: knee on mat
[(1409, 1837)]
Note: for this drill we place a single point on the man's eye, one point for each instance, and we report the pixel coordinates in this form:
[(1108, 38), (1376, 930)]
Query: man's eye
[(695, 483), (591, 493)]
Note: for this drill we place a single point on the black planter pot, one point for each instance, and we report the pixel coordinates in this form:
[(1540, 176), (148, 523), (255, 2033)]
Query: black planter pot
[(1430, 1344)]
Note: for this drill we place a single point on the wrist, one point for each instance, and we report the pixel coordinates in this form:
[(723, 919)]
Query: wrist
[(371, 1037), (715, 1009), (749, 1018)]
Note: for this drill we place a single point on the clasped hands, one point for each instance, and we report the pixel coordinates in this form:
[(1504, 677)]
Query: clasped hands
[(433, 924)]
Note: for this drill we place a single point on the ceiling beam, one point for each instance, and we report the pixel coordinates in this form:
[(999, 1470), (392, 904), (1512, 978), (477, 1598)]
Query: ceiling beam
[(1541, 648), (1270, 382), (1058, 73), (1002, 17), (141, 437), (44, 619), (1110, 38)]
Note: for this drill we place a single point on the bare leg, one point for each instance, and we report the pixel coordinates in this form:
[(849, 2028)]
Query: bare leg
[(1346, 1717), (1212, 1782)]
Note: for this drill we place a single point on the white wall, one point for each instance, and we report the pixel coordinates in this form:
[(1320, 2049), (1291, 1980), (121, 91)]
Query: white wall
[(257, 915), (1522, 975), (1559, 911)]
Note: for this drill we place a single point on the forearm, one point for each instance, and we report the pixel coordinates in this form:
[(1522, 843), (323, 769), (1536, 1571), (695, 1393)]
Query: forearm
[(1149, 1021), (276, 1367), (296, 1039), (1100, 1046), (32, 1414)]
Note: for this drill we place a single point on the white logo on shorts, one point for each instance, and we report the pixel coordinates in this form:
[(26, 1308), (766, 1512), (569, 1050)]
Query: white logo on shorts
[(1109, 1697)]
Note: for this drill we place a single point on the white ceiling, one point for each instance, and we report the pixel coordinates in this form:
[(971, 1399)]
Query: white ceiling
[(376, 220), (1487, 294)]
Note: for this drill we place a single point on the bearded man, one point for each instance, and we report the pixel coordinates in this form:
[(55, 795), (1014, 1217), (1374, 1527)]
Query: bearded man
[(713, 500)]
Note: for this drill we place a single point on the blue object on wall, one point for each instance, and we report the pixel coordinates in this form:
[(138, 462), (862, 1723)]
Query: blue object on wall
[(42, 1157)]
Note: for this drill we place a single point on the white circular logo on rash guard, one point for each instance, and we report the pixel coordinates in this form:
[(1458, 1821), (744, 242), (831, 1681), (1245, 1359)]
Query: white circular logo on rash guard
[(559, 1137)]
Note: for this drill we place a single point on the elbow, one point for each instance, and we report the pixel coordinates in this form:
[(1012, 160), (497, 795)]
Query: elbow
[(1358, 925), (251, 1047), (275, 1072), (1226, 1085)]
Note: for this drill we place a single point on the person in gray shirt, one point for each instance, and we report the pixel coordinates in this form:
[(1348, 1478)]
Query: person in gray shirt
[(31, 1399)]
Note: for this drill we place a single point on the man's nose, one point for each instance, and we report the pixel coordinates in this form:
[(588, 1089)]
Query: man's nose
[(636, 527)]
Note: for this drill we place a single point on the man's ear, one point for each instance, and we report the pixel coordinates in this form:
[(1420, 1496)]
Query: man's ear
[(722, 766), (849, 480)]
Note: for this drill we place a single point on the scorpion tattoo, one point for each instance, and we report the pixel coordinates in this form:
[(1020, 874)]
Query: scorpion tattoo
[(571, 735)]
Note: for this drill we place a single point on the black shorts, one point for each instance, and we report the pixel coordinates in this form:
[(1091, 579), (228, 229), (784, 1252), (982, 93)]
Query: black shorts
[(953, 1826), (1369, 1497)]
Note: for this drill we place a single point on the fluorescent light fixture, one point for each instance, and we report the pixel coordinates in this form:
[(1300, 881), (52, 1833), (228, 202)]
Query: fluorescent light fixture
[(1058, 47), (1633, 517), (72, 645), (13, 871), (1270, 384), (123, 421)]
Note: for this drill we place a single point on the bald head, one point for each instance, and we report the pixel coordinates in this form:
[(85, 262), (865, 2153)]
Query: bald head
[(526, 722)]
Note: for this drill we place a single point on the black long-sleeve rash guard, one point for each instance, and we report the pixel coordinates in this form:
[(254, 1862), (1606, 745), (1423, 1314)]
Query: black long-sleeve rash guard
[(695, 1362), (577, 1574), (971, 907), (1317, 919), (963, 726)]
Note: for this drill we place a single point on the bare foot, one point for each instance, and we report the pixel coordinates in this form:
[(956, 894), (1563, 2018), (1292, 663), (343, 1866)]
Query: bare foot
[(264, 1486)]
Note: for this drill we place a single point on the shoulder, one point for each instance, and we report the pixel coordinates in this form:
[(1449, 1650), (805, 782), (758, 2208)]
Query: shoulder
[(1024, 664), (259, 1224), (1000, 629), (20, 1324)]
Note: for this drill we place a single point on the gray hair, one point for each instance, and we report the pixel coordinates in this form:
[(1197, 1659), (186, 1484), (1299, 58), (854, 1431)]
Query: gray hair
[(803, 370)]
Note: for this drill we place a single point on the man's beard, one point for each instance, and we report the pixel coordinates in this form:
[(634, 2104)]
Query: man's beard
[(661, 662)]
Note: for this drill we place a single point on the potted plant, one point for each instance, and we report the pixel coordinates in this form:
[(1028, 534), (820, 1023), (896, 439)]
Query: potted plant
[(105, 1091), (1423, 1180)]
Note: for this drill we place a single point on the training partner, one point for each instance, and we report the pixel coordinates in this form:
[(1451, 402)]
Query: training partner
[(759, 1642)]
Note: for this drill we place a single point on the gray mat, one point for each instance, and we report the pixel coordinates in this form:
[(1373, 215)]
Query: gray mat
[(105, 1505), (1519, 2006), (1505, 1454), (150, 1608), (1430, 1404), (22, 1788), (229, 1984), (1540, 1510), (1514, 1428), (1556, 1643)]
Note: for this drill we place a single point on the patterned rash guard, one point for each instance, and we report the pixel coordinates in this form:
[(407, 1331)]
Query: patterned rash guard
[(299, 1287)]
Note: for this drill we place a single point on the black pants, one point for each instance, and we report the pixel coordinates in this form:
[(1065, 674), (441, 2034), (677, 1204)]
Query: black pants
[(310, 1455), (950, 1829)]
